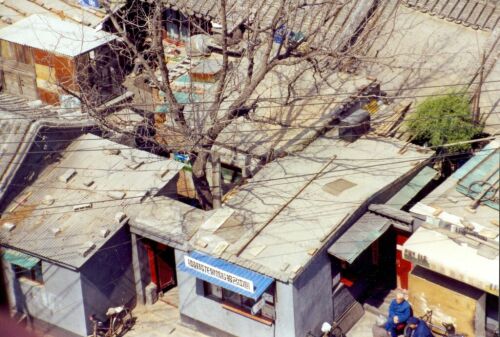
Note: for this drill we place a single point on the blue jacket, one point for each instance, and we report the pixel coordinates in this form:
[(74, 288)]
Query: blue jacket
[(402, 310), (422, 330)]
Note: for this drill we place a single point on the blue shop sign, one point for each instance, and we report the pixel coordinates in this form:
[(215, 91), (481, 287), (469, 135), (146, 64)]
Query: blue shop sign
[(226, 275)]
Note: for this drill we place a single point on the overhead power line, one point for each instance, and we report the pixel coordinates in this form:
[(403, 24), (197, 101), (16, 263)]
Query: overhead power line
[(286, 178), (355, 94)]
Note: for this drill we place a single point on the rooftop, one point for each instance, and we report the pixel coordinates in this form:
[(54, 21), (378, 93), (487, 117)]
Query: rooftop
[(457, 193), (20, 125), (315, 15), (278, 220), (460, 235), (478, 14), (418, 54), (52, 34), (287, 120), (70, 10), (73, 206)]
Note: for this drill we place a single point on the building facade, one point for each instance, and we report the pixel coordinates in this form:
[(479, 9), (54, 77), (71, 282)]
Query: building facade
[(64, 237), (44, 58), (58, 299), (260, 265)]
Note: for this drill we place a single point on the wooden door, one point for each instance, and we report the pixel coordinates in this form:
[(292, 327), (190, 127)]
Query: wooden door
[(403, 267), (162, 265), (166, 267), (12, 85)]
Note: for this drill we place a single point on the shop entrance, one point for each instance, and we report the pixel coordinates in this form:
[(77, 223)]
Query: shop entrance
[(161, 265)]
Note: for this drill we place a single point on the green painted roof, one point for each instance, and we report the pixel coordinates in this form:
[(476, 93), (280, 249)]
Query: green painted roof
[(410, 190), (20, 259), (479, 173)]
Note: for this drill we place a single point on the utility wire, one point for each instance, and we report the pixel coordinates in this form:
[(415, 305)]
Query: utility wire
[(352, 95), (382, 121), (254, 181)]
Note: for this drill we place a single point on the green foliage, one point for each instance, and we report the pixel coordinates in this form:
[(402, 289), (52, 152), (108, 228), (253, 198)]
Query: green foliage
[(443, 119)]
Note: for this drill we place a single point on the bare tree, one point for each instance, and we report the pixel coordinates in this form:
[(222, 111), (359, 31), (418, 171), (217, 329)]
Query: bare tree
[(254, 39)]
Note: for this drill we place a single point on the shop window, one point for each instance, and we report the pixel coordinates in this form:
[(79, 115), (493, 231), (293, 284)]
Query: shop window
[(262, 308), (33, 274), (212, 291)]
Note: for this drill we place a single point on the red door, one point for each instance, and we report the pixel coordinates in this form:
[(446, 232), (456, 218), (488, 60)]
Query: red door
[(166, 266), (161, 265), (403, 267)]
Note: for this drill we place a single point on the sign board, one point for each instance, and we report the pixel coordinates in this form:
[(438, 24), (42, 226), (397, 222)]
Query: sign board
[(258, 306), (219, 274)]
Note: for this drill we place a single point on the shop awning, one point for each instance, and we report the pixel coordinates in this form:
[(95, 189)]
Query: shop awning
[(226, 275), (359, 237), (410, 190), (20, 259), (436, 251)]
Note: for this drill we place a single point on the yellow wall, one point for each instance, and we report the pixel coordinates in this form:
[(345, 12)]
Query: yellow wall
[(449, 300)]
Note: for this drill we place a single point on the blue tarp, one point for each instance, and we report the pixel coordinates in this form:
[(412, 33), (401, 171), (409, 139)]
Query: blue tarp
[(90, 3), (260, 282), (180, 97)]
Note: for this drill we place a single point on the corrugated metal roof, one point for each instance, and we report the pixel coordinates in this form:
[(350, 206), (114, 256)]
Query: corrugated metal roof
[(51, 34), (359, 237), (481, 172), (260, 282), (410, 190)]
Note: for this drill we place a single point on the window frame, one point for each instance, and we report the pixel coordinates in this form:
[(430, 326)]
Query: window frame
[(239, 303), (35, 274)]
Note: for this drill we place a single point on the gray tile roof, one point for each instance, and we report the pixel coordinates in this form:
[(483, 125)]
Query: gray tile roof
[(20, 125), (332, 19), (478, 14)]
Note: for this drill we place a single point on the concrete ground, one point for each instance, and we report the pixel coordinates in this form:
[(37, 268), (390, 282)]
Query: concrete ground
[(363, 328), (159, 320)]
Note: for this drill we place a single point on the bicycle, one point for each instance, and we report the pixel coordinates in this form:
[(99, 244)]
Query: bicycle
[(446, 329), (119, 321), (333, 330)]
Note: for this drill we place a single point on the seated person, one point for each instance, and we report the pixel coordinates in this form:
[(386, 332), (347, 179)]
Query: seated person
[(418, 328), (399, 312)]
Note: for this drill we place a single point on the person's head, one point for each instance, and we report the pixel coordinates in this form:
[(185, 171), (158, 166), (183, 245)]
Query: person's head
[(326, 327), (400, 297), (412, 322)]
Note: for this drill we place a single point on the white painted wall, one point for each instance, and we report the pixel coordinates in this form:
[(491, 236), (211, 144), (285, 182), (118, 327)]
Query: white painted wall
[(58, 301), (194, 305)]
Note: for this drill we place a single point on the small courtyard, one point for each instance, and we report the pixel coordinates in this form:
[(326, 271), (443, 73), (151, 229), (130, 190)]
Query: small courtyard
[(160, 319)]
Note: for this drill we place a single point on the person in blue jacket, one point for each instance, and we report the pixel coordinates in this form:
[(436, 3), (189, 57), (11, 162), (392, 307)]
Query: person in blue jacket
[(399, 312), (418, 328)]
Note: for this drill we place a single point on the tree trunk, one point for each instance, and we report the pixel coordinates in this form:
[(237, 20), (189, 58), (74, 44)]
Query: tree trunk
[(200, 181)]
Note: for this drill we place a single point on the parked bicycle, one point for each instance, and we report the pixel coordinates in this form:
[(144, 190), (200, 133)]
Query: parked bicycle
[(445, 329), (329, 330), (119, 321)]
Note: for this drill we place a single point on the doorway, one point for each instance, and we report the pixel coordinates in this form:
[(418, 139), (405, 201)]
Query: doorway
[(161, 265)]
